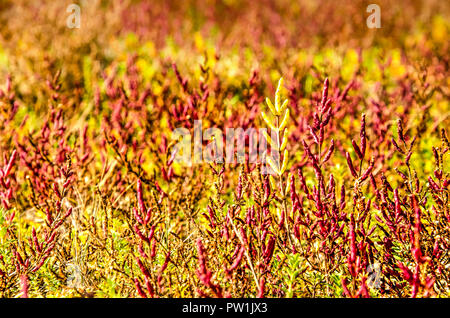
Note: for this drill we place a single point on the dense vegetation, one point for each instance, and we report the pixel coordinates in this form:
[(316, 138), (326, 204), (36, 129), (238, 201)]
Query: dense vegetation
[(93, 203)]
